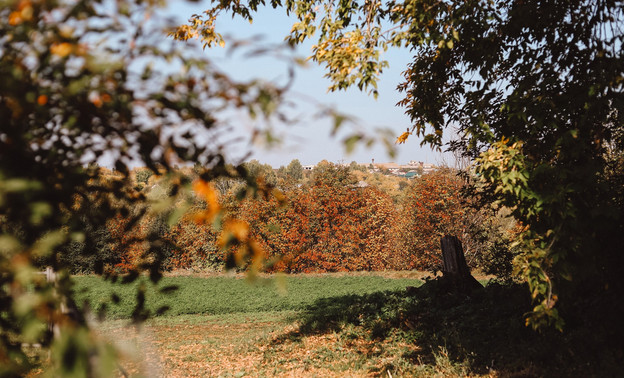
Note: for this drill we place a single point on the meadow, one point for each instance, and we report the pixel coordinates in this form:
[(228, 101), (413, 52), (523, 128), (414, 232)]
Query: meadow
[(229, 294), (354, 324)]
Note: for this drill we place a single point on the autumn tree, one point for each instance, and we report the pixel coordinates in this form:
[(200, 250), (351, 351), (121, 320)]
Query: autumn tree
[(330, 224), (432, 209), (435, 206), (534, 90)]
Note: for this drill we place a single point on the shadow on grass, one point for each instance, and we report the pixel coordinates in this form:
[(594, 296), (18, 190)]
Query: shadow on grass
[(484, 331)]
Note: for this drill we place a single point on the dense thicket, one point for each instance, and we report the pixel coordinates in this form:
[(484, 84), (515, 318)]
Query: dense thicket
[(328, 221)]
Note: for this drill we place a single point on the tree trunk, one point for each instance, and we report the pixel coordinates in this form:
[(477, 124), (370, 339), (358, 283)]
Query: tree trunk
[(455, 271)]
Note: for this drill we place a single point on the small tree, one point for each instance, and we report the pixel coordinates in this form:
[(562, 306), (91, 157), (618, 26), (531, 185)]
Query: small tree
[(294, 171)]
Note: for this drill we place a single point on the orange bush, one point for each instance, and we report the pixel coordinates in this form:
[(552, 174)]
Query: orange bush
[(329, 225), (128, 242), (433, 208)]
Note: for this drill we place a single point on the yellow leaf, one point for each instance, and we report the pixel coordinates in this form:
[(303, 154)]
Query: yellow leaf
[(15, 18), (207, 191), (238, 228), (61, 49), (402, 138)]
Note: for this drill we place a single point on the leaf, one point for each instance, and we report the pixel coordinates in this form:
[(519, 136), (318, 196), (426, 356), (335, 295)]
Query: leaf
[(351, 142), (169, 289)]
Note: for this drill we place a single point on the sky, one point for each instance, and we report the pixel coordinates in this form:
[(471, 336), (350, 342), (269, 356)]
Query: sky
[(310, 140)]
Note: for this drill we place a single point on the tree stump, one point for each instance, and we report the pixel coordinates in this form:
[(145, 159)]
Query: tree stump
[(455, 272)]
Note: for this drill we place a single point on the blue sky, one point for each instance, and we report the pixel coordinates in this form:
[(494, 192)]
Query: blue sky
[(310, 140)]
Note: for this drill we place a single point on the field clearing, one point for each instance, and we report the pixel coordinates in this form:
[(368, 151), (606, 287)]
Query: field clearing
[(227, 294), (346, 324), (218, 325)]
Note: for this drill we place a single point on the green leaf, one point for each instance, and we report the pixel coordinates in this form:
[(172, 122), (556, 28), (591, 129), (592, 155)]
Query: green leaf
[(351, 142)]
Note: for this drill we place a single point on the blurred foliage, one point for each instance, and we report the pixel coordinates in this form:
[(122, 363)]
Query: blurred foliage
[(83, 82), (534, 91)]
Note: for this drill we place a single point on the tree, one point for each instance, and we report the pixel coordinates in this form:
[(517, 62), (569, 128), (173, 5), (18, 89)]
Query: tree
[(83, 81), (261, 171), (294, 171), (327, 225), (535, 91), (432, 209)]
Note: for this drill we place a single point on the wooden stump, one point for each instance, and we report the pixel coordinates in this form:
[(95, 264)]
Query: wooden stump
[(455, 271)]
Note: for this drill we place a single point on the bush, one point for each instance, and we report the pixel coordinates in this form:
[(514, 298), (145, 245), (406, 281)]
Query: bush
[(328, 225), (435, 205)]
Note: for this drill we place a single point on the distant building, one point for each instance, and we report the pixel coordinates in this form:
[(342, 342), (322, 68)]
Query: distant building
[(428, 168), (410, 174), (392, 166)]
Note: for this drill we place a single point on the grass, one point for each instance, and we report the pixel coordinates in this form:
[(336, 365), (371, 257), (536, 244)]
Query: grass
[(358, 325), (228, 295)]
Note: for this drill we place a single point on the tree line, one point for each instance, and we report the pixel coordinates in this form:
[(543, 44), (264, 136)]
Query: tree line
[(324, 220)]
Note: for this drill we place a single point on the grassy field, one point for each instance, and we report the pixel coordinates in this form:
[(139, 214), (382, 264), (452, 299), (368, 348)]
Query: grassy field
[(230, 294), (345, 325)]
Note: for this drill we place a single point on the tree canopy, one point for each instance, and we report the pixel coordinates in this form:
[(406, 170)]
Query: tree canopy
[(533, 92)]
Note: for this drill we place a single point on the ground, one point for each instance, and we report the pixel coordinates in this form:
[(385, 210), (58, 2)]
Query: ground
[(260, 344)]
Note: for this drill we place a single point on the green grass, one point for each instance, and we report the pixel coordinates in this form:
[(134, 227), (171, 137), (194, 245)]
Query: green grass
[(228, 295), (368, 324)]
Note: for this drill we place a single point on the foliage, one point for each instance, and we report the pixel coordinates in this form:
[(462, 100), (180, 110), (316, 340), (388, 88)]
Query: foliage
[(263, 171), (83, 81), (491, 236), (391, 185), (291, 175), (91, 255), (433, 208), (196, 246), (328, 225), (142, 177), (435, 205), (534, 89)]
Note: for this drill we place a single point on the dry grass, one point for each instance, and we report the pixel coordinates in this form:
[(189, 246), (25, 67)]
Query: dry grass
[(201, 346), (410, 274)]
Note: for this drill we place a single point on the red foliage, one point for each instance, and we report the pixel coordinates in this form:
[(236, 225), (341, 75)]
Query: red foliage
[(127, 242), (433, 208), (330, 225)]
